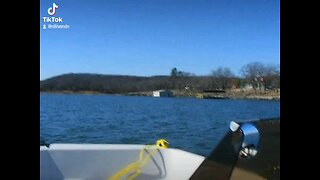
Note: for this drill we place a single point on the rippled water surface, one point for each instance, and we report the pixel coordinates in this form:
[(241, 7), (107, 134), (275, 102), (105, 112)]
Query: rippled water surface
[(194, 125)]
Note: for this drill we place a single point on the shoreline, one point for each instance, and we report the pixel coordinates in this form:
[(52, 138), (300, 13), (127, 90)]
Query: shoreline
[(229, 94)]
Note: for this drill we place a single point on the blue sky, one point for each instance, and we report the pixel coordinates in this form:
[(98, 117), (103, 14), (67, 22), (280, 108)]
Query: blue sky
[(150, 37)]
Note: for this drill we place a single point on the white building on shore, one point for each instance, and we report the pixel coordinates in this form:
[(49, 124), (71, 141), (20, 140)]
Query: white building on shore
[(162, 93)]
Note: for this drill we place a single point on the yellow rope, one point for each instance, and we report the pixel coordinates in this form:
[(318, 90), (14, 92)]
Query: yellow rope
[(136, 167)]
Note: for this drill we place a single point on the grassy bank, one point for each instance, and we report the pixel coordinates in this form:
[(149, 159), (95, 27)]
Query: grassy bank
[(233, 94)]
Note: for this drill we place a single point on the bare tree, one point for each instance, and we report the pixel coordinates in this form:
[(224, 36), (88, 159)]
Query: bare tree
[(180, 79), (222, 78), (253, 70), (261, 75), (272, 77)]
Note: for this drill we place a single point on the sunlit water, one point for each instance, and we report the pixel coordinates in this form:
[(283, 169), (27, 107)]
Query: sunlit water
[(194, 125)]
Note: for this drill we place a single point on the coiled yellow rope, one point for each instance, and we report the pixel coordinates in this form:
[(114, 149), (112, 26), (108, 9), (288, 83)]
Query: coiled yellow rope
[(136, 167)]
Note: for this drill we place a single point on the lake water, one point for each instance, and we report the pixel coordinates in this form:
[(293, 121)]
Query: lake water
[(194, 125)]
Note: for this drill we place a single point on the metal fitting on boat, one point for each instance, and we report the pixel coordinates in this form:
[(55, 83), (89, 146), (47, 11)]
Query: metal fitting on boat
[(251, 138)]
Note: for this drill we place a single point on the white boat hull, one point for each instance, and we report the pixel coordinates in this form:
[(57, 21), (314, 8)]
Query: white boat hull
[(99, 162)]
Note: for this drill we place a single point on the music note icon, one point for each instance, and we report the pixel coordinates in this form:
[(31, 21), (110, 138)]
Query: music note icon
[(52, 10)]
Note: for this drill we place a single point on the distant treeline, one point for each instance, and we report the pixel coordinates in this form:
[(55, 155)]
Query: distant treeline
[(222, 78)]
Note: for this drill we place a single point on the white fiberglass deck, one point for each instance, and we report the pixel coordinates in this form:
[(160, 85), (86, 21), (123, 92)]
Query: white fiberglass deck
[(98, 162)]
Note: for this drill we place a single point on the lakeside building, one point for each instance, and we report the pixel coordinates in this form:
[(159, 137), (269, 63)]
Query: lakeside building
[(162, 93)]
